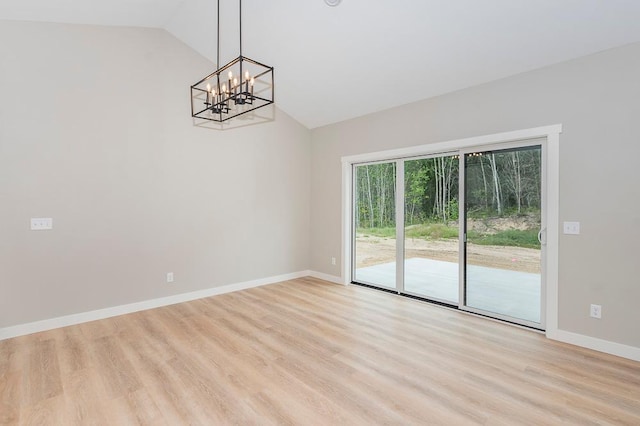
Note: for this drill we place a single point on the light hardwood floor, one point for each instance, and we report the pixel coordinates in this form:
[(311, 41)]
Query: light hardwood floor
[(309, 352)]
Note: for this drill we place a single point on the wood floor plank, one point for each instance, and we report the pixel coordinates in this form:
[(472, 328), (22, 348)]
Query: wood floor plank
[(41, 375), (72, 353), (118, 375), (309, 352), (10, 400), (85, 398)]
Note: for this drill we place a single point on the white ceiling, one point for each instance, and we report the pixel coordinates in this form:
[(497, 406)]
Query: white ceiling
[(336, 63)]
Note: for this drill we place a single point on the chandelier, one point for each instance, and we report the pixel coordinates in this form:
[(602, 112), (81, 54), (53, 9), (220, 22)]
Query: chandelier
[(239, 87)]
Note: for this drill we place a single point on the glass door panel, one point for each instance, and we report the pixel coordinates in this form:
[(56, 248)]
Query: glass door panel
[(375, 224), (431, 247), (502, 223)]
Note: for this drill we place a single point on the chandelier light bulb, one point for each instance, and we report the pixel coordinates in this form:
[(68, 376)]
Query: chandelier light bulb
[(209, 100)]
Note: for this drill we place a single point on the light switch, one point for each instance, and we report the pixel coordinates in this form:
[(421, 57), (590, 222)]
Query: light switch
[(571, 228), (41, 223)]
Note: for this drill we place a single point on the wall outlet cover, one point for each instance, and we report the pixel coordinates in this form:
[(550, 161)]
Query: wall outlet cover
[(41, 223), (571, 228)]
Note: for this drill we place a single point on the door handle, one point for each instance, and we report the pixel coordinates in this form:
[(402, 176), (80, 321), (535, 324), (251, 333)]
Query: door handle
[(540, 236)]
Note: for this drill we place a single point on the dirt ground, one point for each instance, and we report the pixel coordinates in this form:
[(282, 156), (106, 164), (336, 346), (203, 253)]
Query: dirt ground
[(375, 250)]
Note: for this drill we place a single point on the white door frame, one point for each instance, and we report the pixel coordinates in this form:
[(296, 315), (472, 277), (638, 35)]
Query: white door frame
[(552, 163)]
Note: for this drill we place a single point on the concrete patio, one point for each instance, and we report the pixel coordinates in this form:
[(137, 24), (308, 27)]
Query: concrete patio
[(506, 292)]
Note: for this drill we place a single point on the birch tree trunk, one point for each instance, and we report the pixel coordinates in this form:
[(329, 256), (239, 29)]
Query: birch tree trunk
[(496, 183), (517, 178), (370, 197), (484, 181)]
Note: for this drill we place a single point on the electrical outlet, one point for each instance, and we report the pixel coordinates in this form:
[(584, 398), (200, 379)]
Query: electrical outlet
[(571, 228), (333, 261), (41, 223), (169, 277), (596, 311)]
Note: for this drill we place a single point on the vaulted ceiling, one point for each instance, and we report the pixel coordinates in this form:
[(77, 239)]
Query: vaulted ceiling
[(363, 56)]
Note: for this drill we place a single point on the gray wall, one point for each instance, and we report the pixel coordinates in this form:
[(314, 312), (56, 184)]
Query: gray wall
[(95, 132), (597, 99)]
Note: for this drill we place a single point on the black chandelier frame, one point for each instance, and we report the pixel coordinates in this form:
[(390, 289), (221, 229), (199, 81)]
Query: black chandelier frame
[(217, 99)]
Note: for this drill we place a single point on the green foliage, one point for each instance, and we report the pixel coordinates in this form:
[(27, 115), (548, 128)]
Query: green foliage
[(453, 209), (427, 231), (504, 180), (498, 184), (375, 195), (385, 232), (511, 238), (488, 214), (435, 231), (431, 231)]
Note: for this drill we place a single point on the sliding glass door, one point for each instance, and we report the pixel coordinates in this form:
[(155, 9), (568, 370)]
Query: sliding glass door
[(462, 228), (375, 225), (431, 255), (503, 223)]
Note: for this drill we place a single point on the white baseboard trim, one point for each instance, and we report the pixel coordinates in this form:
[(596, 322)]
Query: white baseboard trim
[(67, 320), (613, 348), (326, 277)]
